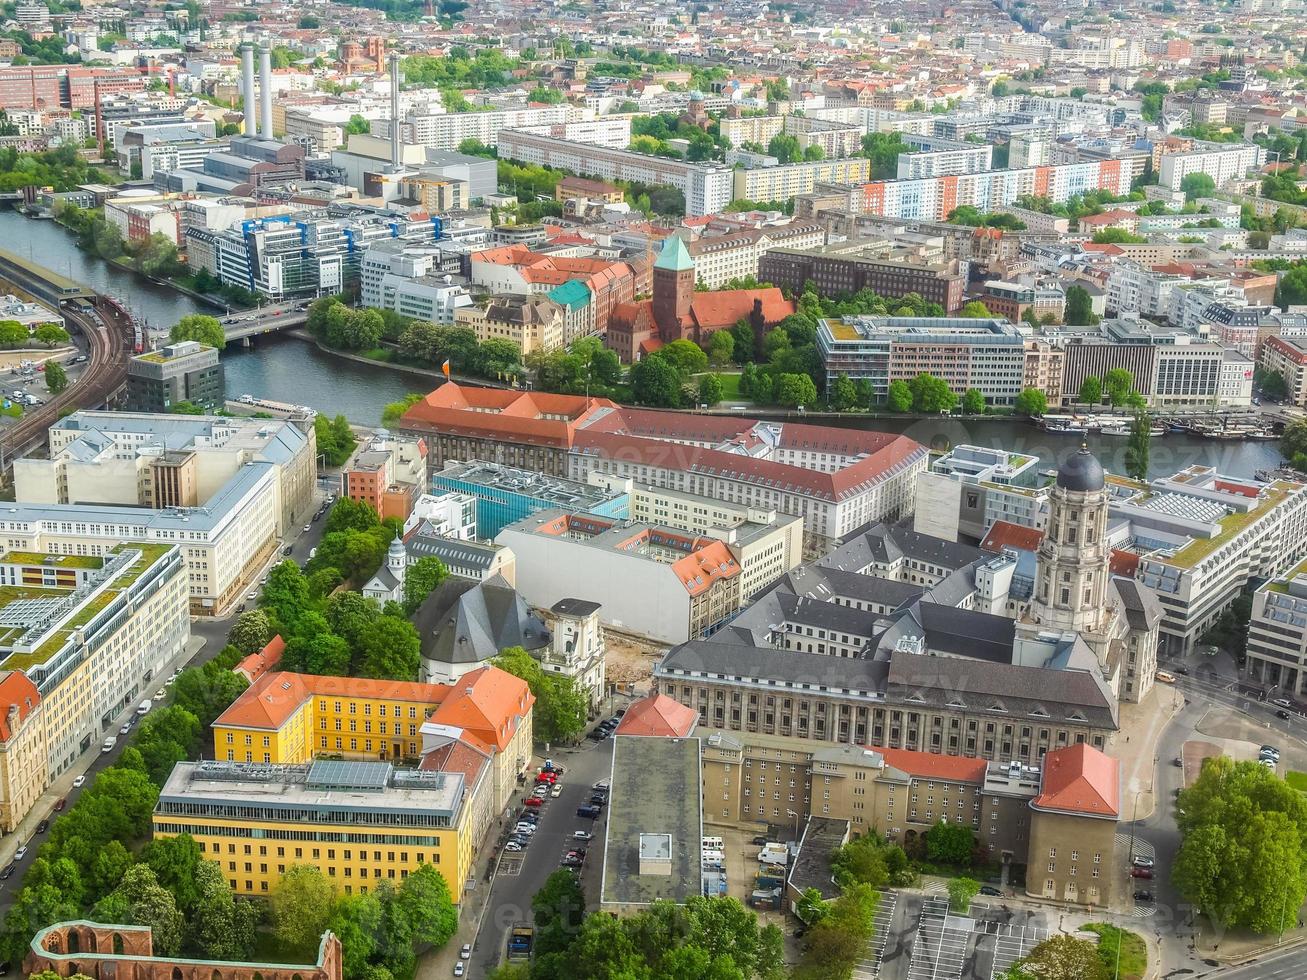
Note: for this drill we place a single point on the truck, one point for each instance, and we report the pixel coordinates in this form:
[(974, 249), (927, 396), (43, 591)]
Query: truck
[(774, 854), (520, 941)]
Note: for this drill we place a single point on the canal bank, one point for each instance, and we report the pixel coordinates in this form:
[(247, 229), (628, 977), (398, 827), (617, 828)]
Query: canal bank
[(291, 370)]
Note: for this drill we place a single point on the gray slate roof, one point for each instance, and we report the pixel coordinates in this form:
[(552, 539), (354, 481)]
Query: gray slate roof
[(467, 622)]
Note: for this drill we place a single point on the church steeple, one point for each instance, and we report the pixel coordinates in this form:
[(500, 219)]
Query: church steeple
[(673, 288), (1071, 579)]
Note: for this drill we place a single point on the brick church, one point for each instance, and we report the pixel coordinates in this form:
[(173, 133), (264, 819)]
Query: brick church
[(677, 312)]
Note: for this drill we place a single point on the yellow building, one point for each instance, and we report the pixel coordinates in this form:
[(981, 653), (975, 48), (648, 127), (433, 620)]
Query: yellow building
[(360, 822), (306, 760)]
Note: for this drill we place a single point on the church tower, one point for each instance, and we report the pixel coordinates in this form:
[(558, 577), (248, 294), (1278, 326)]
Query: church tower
[(397, 564), (1071, 578), (673, 288)]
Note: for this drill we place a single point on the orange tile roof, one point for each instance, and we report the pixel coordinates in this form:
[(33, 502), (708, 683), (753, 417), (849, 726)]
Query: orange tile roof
[(928, 765), (259, 663), (466, 756), (16, 691), (726, 307), (658, 716), (1080, 779), (1005, 534), (488, 702)]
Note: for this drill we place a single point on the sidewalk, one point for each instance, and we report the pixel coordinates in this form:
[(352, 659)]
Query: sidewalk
[(440, 962), (1135, 745), (61, 786)]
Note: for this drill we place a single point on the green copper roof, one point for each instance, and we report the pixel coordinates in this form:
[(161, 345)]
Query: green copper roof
[(573, 294), (674, 256)]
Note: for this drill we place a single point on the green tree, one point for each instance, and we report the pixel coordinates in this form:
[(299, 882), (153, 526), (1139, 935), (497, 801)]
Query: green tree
[(975, 310), (421, 579), (813, 152), (843, 393), (973, 402), (931, 394), (356, 921), (1197, 185), (219, 927), (950, 843), (394, 411), (656, 381), (558, 910), (1031, 402), (900, 396), (252, 632), (1117, 383), (51, 334), (199, 326), (424, 903), (836, 944), (1271, 384), (166, 737), (1091, 391), (357, 125), (560, 709), (175, 862), (811, 907), (56, 378), (1060, 958), (1293, 444), (1117, 236), (785, 148), (1243, 839), (1136, 450), (860, 862), (1079, 307), (13, 334), (207, 691), (710, 389), (793, 390), (141, 900), (721, 347), (390, 650), (960, 893), (301, 906), (687, 356)]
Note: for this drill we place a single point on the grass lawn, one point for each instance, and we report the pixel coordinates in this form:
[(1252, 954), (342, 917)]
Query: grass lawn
[(1133, 951), (730, 385), (383, 354), (1296, 779)]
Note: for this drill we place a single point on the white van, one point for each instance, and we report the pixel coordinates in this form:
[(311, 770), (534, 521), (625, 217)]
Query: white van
[(144, 708), (109, 743), (774, 854)]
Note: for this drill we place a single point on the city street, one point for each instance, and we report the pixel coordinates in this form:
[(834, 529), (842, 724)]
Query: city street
[(521, 874)]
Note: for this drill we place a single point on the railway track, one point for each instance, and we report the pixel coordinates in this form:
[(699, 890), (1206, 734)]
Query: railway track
[(110, 338)]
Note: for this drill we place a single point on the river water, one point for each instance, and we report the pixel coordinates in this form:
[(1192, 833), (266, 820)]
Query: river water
[(289, 370)]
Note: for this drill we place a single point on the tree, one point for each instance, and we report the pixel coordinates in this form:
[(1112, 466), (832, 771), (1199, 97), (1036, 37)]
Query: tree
[(785, 148), (742, 336), (558, 909), (1117, 383), (973, 402), (166, 737), (950, 843), (252, 632), (175, 862), (811, 907), (394, 411), (1079, 310), (1091, 391), (1060, 958), (1032, 402), (1271, 384), (1197, 185), (51, 334), (560, 708), (424, 903), (960, 893), (656, 381), (421, 579), (793, 390), (13, 334), (859, 862), (931, 394), (1293, 444), (975, 310), (900, 396), (836, 944), (357, 125), (301, 906), (721, 347), (687, 356), (390, 650), (710, 389), (141, 900), (843, 393), (207, 691), (56, 378), (219, 927), (1243, 838), (1117, 236), (814, 152), (199, 326), (356, 921), (1136, 450)]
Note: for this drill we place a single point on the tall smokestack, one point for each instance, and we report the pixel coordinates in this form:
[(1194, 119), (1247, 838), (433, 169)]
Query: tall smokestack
[(247, 84), (394, 111), (265, 86)]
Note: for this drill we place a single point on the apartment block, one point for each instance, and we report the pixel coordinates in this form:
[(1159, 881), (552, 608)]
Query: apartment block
[(782, 182), (837, 272), (1220, 162)]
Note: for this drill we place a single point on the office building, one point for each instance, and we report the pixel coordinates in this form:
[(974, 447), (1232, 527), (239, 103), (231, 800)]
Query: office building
[(836, 272), (187, 371), (533, 323), (1013, 300), (387, 475), (988, 355), (736, 255), (227, 488), (84, 637), (1277, 634), (248, 164), (675, 585), (1287, 357), (505, 494), (836, 480), (407, 277), (969, 489)]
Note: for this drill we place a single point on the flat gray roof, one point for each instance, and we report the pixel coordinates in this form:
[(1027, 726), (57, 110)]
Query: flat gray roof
[(655, 791)]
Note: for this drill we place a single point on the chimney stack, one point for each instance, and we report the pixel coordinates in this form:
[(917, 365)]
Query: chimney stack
[(247, 85), (394, 111), (265, 85)]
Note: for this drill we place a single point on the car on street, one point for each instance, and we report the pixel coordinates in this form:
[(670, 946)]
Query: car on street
[(1143, 896), (1178, 762), (21, 852), (533, 801), (512, 845), (1270, 750), (59, 804), (125, 729), (1283, 715), (990, 890), (160, 694), (582, 835), (760, 840), (547, 776), (1141, 872), (1268, 763), (589, 811), (466, 952), (556, 792), (1141, 862), (308, 528), (79, 781), (43, 826), (598, 799), (251, 597), (459, 969), (8, 870), (1180, 670)]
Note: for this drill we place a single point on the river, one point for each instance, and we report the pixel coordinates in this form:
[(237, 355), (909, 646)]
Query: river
[(289, 370)]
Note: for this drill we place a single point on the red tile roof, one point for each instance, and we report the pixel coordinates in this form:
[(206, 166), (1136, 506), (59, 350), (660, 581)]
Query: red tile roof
[(1123, 563), (928, 765), (1080, 779), (658, 715), (488, 702), (725, 308), (1005, 534), (16, 692), (257, 664)]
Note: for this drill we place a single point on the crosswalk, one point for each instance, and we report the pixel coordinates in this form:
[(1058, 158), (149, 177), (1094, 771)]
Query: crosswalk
[(869, 968), (1136, 847)]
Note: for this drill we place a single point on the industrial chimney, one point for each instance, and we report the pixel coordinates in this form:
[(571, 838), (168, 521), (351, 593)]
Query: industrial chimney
[(265, 86), (247, 84), (394, 111)]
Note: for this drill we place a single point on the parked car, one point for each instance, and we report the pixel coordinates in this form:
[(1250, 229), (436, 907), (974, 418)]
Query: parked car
[(556, 792), (582, 835), (466, 952), (308, 527), (459, 969), (43, 826), (533, 801), (1270, 750), (547, 776), (160, 694), (125, 729), (1282, 714), (990, 890), (512, 845), (1143, 896), (1141, 872), (21, 852), (1177, 762), (59, 804), (79, 781), (598, 799), (1141, 862), (589, 811), (8, 870)]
